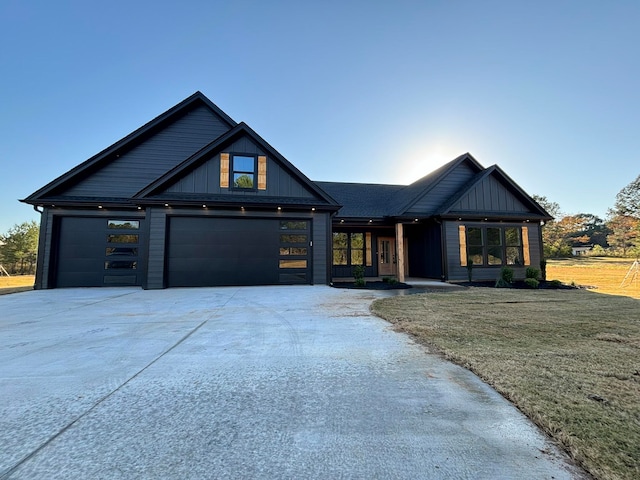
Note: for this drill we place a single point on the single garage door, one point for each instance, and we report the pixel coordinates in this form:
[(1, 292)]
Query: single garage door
[(232, 251), (96, 252)]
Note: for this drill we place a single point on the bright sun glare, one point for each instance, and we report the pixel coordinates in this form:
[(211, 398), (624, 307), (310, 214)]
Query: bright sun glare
[(424, 159)]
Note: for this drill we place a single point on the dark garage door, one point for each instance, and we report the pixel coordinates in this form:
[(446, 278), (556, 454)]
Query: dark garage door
[(96, 252), (231, 251)]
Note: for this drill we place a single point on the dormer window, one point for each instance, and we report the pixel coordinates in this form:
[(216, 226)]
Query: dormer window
[(244, 171)]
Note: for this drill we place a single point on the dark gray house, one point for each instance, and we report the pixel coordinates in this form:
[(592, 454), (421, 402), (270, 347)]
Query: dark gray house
[(193, 198)]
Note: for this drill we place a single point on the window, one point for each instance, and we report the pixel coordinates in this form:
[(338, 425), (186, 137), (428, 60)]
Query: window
[(293, 239), (124, 224), (244, 171), (293, 225), (352, 248), (122, 238), (491, 246)]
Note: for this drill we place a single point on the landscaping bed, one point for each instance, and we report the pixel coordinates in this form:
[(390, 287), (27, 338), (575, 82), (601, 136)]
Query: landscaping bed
[(378, 285)]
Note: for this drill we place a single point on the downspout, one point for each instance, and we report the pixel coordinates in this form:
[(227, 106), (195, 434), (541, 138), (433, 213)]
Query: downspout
[(37, 284)]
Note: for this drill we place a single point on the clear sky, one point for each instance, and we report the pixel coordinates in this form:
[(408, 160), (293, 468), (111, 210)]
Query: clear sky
[(366, 91)]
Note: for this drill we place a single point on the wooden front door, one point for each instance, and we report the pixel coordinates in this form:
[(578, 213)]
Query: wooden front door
[(386, 256)]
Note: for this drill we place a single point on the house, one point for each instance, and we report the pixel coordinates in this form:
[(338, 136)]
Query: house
[(193, 198)]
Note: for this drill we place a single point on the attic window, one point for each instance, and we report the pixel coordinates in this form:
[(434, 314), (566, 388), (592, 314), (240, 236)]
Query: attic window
[(244, 171)]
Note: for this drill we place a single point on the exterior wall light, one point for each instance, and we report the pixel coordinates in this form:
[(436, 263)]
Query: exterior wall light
[(99, 206)]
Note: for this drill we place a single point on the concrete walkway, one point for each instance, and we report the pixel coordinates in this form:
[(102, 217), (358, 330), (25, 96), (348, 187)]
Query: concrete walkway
[(253, 382)]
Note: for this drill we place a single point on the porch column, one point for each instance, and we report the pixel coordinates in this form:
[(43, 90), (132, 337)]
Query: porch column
[(400, 251)]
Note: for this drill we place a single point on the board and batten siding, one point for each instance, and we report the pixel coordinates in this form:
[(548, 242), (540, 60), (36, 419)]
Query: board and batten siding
[(157, 237), (490, 196), (445, 188), (45, 240), (134, 169), (457, 272), (320, 234), (206, 177)]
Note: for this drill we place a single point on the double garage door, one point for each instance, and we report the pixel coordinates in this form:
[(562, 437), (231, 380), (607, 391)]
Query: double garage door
[(200, 252), (232, 251)]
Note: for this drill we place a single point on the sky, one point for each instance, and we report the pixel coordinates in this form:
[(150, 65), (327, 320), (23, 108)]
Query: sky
[(356, 91)]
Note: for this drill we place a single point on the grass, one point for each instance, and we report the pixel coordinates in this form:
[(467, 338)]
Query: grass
[(604, 274), (569, 359), (16, 283)]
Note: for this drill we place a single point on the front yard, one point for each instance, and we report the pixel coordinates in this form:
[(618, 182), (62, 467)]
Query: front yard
[(569, 359)]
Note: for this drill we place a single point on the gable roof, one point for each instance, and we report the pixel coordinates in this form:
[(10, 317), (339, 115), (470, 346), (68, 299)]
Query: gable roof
[(145, 131), (495, 172), (420, 188), (155, 189)]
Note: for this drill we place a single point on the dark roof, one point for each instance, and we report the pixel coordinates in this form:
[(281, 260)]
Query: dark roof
[(362, 200), (205, 153), (534, 207), (147, 129), (418, 189)]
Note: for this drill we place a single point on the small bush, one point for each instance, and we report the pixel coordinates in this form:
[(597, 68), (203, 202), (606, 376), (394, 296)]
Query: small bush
[(533, 273), (506, 274), (470, 269), (358, 271), (360, 282), (501, 283), (555, 283), (531, 282), (543, 269)]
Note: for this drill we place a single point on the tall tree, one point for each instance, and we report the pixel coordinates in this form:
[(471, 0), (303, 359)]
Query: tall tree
[(625, 235), (19, 249), (554, 233), (628, 200)]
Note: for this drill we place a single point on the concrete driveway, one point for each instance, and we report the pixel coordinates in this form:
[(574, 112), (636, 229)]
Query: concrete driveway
[(252, 382)]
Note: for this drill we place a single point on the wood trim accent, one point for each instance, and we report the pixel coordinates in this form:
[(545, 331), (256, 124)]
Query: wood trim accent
[(525, 246), (462, 234), (400, 251), (367, 249), (224, 170), (262, 172)]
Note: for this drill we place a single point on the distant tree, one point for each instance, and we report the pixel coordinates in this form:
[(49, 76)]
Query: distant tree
[(552, 208), (628, 200), (554, 233), (624, 238), (586, 228), (19, 249)]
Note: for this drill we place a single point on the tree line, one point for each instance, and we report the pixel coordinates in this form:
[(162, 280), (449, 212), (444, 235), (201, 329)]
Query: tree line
[(19, 248), (617, 235)]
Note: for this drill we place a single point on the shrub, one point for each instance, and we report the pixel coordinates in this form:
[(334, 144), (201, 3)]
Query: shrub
[(360, 282), (533, 273), (469, 269), (506, 274), (531, 282), (555, 283), (501, 283), (543, 269)]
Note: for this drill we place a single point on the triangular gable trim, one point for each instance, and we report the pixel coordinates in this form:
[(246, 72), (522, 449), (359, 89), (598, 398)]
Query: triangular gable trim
[(123, 143), (438, 175), (506, 181), (208, 151)]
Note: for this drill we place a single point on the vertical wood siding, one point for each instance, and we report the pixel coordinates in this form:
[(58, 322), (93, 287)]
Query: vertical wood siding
[(489, 196), (321, 226), (134, 169), (443, 190), (156, 248), (206, 177)]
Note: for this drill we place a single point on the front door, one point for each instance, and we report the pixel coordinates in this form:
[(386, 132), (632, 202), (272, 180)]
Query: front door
[(386, 256)]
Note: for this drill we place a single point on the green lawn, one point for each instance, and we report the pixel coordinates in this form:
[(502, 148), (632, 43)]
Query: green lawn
[(569, 359)]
